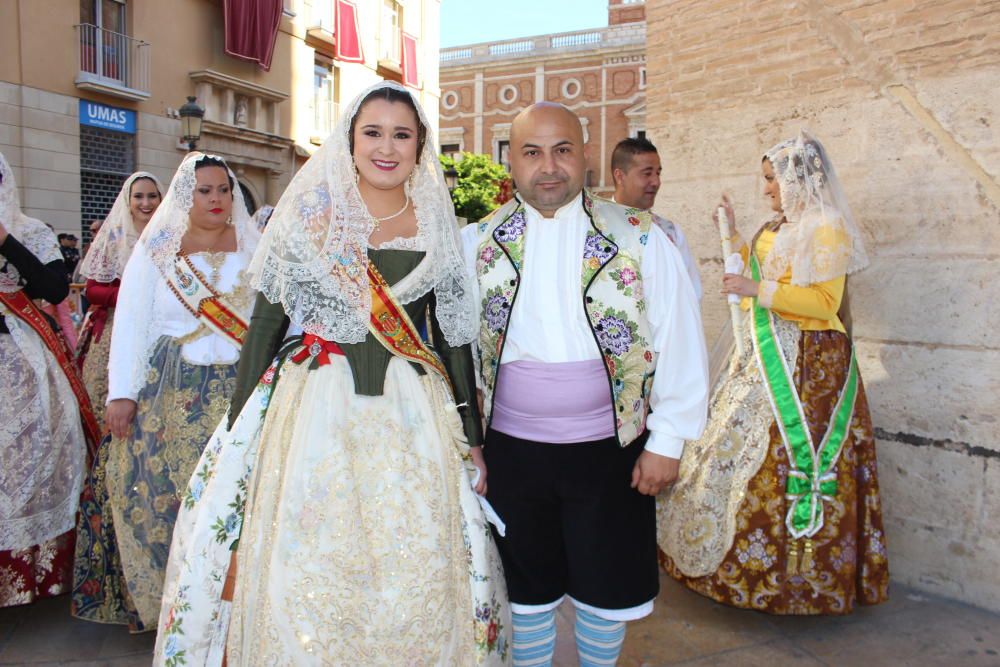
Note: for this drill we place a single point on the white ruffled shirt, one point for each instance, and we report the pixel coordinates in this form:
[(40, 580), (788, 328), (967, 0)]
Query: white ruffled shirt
[(548, 323), (172, 319)]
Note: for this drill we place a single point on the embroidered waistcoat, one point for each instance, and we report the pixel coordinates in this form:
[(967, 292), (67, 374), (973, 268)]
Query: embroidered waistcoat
[(611, 295)]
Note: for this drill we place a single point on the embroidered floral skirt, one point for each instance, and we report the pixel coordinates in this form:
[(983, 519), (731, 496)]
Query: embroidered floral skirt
[(41, 571), (178, 409), (363, 542), (95, 367), (42, 459), (722, 529), (100, 593)]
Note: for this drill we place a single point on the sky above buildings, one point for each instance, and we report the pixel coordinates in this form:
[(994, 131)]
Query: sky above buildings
[(471, 21)]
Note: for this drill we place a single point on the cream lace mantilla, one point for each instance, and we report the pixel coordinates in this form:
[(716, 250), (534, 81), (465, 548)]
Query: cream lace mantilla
[(313, 256), (106, 258), (31, 233), (821, 241)]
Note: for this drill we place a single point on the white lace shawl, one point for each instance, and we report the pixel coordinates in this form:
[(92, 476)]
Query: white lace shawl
[(109, 252), (153, 258), (313, 256), (820, 240), (33, 234)]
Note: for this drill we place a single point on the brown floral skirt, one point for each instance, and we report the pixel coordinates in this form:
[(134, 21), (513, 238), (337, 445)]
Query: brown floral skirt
[(764, 569)]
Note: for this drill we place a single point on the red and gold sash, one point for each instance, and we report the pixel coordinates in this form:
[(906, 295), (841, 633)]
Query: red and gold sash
[(204, 302), (394, 329), (25, 309)]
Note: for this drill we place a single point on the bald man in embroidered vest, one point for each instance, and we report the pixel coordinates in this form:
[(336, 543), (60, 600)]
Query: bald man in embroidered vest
[(594, 374)]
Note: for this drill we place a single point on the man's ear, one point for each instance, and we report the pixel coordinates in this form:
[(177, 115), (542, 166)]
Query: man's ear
[(617, 175)]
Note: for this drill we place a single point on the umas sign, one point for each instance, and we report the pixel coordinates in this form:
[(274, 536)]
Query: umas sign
[(95, 114)]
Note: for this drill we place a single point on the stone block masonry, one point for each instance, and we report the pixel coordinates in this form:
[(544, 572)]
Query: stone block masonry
[(906, 97)]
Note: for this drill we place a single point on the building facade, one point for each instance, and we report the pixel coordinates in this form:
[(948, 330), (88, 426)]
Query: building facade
[(600, 74), (906, 98), (90, 90)]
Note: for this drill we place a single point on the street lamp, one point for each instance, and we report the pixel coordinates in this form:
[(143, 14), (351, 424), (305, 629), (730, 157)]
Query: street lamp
[(191, 114), (450, 178)]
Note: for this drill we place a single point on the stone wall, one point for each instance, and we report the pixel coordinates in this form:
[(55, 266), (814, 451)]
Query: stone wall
[(40, 137), (904, 94)]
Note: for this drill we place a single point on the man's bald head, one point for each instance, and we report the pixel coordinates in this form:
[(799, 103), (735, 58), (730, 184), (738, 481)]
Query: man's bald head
[(548, 158), (550, 111)]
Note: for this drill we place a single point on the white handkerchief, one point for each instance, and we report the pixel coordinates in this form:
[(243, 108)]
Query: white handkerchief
[(491, 514), (734, 264)]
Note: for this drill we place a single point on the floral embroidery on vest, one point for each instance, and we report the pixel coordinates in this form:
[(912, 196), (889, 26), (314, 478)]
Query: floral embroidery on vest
[(612, 295)]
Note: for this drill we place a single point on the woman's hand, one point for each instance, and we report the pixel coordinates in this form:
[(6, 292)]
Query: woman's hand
[(479, 462), (3, 234), (119, 416), (730, 215), (734, 284)]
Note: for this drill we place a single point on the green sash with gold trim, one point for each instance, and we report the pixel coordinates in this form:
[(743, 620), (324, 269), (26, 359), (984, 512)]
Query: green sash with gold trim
[(812, 476)]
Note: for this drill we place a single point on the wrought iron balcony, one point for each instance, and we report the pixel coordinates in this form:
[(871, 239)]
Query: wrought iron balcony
[(112, 63)]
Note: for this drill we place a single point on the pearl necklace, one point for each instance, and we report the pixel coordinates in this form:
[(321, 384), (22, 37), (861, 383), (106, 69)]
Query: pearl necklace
[(406, 205)]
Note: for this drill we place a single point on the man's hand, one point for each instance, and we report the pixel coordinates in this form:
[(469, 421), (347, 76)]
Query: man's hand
[(653, 473)]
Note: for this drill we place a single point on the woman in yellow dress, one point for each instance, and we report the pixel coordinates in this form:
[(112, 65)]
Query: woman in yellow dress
[(777, 505)]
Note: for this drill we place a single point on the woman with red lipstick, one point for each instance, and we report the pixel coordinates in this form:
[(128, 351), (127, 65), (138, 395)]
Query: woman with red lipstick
[(180, 321), (777, 505), (338, 504)]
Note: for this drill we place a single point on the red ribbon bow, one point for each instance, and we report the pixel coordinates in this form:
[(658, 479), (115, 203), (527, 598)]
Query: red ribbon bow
[(314, 346)]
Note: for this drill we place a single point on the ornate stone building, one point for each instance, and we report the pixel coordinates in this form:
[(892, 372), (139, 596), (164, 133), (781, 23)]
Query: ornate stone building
[(600, 74)]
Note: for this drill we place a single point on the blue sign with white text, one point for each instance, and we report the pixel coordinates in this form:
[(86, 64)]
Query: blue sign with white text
[(95, 114)]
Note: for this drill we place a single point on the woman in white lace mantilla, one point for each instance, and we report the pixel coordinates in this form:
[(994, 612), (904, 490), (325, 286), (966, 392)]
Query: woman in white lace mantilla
[(777, 505), (363, 540), (181, 315), (42, 445)]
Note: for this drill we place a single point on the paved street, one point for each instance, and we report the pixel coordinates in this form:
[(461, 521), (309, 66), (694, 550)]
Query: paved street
[(911, 629)]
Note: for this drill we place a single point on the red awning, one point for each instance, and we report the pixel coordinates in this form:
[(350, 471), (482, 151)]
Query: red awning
[(348, 34), (410, 75), (251, 29)]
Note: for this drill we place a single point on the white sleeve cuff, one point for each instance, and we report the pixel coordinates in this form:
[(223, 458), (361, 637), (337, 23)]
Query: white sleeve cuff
[(665, 445), (765, 293)]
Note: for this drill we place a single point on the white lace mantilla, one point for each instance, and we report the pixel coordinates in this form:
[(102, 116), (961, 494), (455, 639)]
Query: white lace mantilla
[(106, 258), (313, 256), (33, 234), (820, 241)]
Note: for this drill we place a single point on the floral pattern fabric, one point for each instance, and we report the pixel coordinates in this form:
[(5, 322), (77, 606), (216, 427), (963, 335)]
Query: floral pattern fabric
[(362, 540), (40, 571), (95, 370), (147, 472), (611, 288), (849, 559), (100, 592)]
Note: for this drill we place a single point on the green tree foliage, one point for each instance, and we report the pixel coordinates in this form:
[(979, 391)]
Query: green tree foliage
[(482, 185)]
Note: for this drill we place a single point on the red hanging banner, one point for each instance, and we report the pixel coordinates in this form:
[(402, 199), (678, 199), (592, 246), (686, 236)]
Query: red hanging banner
[(348, 33), (411, 76), (251, 29)]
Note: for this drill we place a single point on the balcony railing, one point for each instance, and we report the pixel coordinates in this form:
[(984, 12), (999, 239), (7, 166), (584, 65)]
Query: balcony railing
[(618, 36), (112, 63)]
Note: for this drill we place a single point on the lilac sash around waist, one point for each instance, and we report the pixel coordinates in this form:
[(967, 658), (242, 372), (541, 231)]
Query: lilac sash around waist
[(557, 403)]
